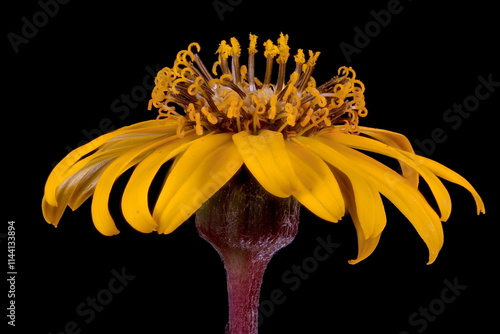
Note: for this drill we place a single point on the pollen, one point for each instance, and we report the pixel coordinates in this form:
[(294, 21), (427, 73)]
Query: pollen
[(236, 100)]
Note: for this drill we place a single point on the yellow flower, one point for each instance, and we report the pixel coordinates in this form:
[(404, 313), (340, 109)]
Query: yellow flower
[(295, 137)]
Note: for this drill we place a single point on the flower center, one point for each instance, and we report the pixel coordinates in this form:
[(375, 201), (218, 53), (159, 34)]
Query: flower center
[(236, 100)]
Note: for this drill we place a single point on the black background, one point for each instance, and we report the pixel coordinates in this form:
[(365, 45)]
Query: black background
[(64, 80)]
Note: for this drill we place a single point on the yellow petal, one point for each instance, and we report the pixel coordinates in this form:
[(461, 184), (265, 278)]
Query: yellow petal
[(52, 214), (371, 209), (72, 189), (60, 171), (388, 137), (371, 212), (318, 189), (266, 157), (86, 185), (135, 206), (438, 189), (366, 246), (198, 174), (88, 172), (100, 213), (448, 174), (389, 183), (397, 140), (365, 200), (366, 243), (80, 179)]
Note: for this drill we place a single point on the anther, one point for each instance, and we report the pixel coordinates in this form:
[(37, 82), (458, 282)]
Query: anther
[(252, 50), (284, 53), (235, 64), (270, 52), (198, 127)]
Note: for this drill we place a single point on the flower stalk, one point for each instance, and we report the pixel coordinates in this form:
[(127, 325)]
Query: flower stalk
[(246, 225)]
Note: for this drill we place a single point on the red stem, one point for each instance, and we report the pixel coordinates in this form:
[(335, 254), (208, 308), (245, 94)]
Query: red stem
[(246, 225), (244, 272)]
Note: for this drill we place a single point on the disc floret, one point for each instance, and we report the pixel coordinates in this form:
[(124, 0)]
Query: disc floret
[(230, 98)]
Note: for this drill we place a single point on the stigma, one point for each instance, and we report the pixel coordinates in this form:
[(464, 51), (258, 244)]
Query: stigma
[(230, 98)]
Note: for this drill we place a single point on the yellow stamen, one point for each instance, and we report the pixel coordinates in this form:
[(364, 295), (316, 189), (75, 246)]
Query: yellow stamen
[(316, 120), (166, 112), (260, 108), (196, 86), (194, 45), (234, 108), (210, 117), (181, 122), (256, 122), (235, 53), (318, 98), (290, 86), (252, 49), (182, 62), (271, 49), (300, 58), (273, 109), (243, 72), (283, 48), (227, 101), (291, 114), (270, 52), (284, 53), (237, 101), (198, 127), (307, 118), (296, 100), (174, 85), (214, 67), (313, 57), (235, 47), (191, 111), (224, 52), (258, 82)]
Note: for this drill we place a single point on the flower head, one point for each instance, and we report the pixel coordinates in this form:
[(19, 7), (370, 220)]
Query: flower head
[(295, 137)]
